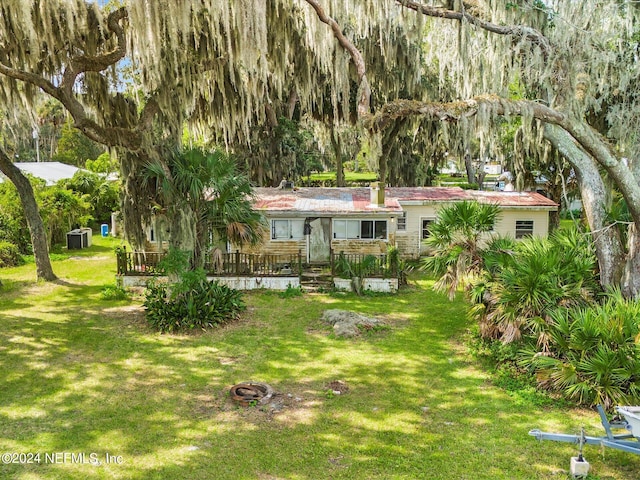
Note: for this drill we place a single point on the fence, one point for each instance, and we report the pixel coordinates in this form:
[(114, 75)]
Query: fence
[(139, 263), (257, 265), (219, 264)]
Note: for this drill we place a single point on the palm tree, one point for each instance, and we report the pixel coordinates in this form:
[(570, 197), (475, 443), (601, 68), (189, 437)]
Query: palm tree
[(593, 355), (456, 239), (521, 295), (207, 187)]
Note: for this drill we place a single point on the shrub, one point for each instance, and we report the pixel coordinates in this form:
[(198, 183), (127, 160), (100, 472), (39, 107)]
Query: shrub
[(456, 239), (593, 355), (291, 292), (192, 303), (519, 291), (9, 255), (114, 293)]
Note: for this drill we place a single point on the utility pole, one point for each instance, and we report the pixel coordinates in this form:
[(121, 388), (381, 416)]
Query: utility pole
[(36, 137)]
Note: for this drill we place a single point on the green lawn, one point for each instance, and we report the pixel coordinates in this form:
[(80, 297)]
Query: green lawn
[(348, 176), (82, 375)]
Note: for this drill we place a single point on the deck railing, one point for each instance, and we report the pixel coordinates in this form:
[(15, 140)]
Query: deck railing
[(348, 265), (219, 264), (256, 265), (261, 265), (139, 263)]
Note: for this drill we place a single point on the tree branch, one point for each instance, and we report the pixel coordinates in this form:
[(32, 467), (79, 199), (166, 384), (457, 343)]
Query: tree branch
[(588, 138), (455, 111), (96, 63), (130, 138), (364, 93), (518, 31), (29, 77)]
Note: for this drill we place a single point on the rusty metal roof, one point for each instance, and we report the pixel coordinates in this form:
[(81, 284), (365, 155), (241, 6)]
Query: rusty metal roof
[(427, 194), (513, 199), (357, 200), (322, 200)]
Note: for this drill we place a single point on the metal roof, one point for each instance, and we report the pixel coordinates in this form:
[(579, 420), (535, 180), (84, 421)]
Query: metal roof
[(313, 200), (322, 200), (427, 194), (50, 172), (513, 199)]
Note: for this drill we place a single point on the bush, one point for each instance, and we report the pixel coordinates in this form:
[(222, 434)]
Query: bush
[(593, 355), (114, 293), (191, 304), (9, 255), (520, 290), (291, 292)]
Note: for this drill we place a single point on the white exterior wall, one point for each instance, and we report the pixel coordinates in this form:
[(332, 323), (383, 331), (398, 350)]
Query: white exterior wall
[(384, 285), (409, 242), (237, 283), (506, 223)]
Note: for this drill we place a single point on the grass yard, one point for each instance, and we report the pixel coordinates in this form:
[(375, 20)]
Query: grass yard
[(349, 176), (83, 375)]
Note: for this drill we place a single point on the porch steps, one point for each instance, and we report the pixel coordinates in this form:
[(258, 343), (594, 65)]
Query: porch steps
[(314, 279)]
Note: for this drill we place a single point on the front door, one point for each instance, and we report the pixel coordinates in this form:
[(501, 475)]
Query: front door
[(320, 240)]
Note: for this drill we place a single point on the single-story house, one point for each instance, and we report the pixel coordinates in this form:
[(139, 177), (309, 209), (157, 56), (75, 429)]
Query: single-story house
[(322, 221)]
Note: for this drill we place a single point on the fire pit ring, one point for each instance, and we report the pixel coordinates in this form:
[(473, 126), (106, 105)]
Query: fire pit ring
[(251, 393)]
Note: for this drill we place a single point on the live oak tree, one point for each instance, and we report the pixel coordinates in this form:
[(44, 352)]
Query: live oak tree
[(37, 231), (216, 66), (577, 64)]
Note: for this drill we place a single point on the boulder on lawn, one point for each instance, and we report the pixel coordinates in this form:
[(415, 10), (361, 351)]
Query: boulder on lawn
[(345, 323)]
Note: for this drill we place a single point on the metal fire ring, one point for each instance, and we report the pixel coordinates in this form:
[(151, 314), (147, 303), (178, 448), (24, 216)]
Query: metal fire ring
[(251, 393)]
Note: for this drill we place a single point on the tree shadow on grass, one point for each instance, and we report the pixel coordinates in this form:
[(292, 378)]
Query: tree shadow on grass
[(85, 380)]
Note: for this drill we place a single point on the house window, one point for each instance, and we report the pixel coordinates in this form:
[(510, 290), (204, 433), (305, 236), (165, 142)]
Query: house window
[(380, 229), (524, 228), (426, 223), (360, 229), (402, 222), (287, 229)]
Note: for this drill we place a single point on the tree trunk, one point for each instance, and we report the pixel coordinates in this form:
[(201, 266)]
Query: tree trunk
[(183, 228), (631, 278), (606, 238), (44, 271), (337, 149), (471, 172)]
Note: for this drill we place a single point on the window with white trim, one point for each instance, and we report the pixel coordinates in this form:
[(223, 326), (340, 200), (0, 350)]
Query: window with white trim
[(524, 228), (287, 229), (402, 223), (426, 223), (360, 229)]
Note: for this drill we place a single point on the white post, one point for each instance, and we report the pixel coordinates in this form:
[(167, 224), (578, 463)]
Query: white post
[(36, 137)]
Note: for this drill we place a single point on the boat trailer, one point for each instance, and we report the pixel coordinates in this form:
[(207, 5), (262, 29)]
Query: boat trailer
[(627, 442)]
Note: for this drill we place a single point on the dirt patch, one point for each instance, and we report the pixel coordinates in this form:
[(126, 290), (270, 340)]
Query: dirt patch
[(228, 360), (337, 387), (130, 314), (287, 409)]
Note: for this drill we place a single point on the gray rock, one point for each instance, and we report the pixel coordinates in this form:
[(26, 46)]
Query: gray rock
[(348, 330), (345, 323)]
